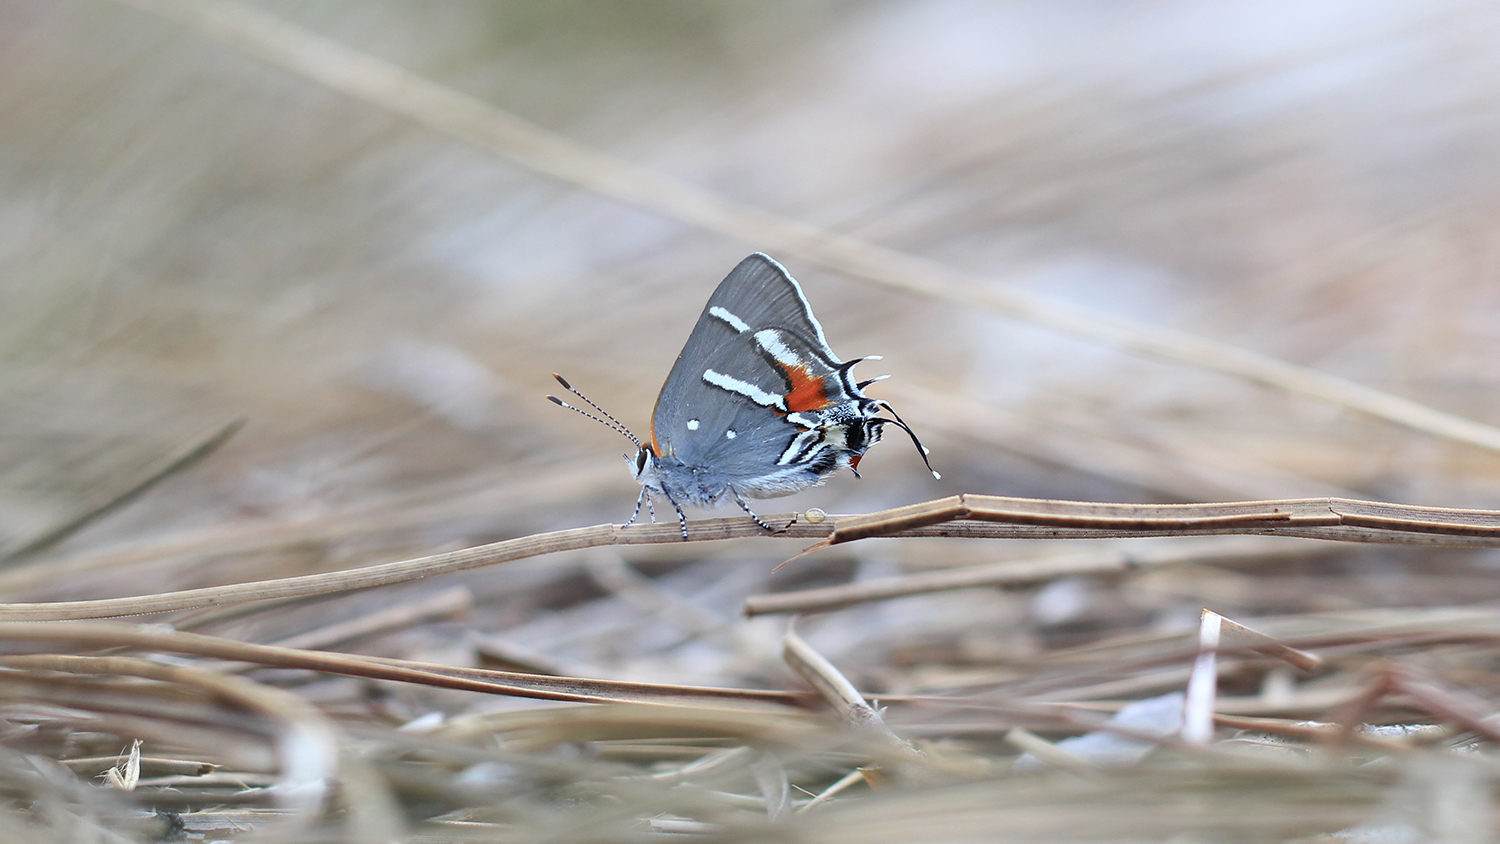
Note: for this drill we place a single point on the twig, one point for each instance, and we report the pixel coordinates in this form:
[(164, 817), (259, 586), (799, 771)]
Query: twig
[(1343, 519), (968, 515), (834, 687), (104, 634), (386, 574), (1270, 646)]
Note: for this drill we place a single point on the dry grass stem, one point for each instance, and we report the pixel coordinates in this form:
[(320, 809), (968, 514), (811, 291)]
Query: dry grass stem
[(971, 516), (1268, 645), (92, 635), (1317, 518)]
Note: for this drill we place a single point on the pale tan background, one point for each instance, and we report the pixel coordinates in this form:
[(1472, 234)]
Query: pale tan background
[(188, 236)]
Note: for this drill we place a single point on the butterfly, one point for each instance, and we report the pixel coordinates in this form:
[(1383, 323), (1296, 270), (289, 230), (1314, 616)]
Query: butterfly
[(756, 406)]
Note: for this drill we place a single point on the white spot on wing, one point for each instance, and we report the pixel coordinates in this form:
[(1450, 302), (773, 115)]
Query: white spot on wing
[(734, 322), (746, 389), (692, 424), (730, 434), (770, 340)]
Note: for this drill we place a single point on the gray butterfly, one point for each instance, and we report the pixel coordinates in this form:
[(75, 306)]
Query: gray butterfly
[(756, 406)]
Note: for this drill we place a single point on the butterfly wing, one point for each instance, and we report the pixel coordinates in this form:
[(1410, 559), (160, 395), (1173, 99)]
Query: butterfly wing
[(748, 393)]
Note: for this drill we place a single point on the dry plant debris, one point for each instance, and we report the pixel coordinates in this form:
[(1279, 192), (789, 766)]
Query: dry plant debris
[(682, 759), (288, 538)]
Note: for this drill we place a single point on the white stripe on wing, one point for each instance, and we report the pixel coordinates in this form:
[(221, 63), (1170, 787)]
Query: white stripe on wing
[(744, 388), (734, 322)]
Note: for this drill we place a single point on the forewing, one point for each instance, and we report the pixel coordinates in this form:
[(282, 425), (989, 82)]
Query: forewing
[(694, 417), (764, 295)]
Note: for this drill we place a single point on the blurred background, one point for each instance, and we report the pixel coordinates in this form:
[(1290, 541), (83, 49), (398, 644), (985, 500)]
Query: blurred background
[(190, 238), (253, 327)]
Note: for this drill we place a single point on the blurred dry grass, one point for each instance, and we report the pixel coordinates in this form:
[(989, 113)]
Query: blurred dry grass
[(189, 237)]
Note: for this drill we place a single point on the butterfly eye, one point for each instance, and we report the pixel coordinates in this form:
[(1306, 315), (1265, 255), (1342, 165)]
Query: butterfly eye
[(640, 461)]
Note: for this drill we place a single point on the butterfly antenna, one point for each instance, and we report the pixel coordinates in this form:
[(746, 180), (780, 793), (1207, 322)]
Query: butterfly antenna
[(921, 449), (608, 421)]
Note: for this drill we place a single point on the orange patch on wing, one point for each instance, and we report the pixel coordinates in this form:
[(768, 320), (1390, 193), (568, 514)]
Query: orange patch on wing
[(807, 391)]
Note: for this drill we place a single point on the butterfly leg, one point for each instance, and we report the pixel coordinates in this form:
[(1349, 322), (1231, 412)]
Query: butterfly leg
[(637, 513), (746, 508), (681, 517)]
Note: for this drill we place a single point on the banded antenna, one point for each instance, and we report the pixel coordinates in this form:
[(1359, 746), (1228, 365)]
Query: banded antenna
[(608, 421)]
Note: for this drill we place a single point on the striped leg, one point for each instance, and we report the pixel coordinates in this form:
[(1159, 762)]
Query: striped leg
[(643, 499), (681, 517), (746, 508)]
